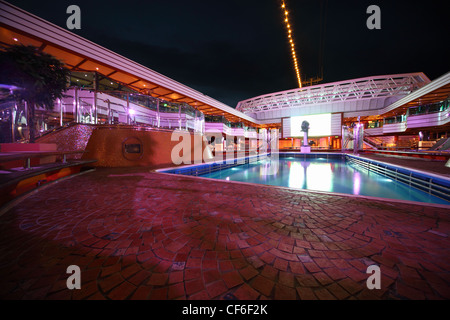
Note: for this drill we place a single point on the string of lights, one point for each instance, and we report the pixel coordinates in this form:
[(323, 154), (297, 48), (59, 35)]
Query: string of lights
[(291, 42)]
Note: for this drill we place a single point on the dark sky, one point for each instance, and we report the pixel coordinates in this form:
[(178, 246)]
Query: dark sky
[(237, 49)]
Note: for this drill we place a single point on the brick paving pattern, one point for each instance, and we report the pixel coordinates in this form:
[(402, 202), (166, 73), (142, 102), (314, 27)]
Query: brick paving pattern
[(142, 235)]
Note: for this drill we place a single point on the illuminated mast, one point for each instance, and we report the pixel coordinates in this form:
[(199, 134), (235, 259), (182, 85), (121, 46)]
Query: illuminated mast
[(291, 42)]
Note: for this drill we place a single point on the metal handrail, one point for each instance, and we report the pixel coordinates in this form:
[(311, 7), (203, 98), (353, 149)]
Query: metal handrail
[(398, 176)]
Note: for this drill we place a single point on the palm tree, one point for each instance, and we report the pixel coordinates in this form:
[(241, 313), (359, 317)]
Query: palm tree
[(42, 77)]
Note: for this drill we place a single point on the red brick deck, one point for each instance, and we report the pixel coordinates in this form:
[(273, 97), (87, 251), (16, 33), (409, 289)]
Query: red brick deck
[(141, 235)]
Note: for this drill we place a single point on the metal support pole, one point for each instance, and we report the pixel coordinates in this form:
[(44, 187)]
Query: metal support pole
[(179, 117), (95, 108), (61, 114), (128, 109), (76, 104), (356, 139), (158, 118), (27, 117), (197, 122), (109, 111), (186, 125), (13, 122)]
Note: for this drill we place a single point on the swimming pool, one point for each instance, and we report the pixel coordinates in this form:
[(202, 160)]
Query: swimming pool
[(326, 173)]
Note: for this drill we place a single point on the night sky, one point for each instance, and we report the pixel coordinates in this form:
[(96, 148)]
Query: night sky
[(237, 49)]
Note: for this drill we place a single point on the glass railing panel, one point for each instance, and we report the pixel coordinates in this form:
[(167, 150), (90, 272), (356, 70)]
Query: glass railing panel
[(66, 108), (13, 122), (103, 111), (84, 80), (397, 119), (86, 111), (143, 100), (168, 107), (236, 125), (110, 107), (430, 108), (107, 84)]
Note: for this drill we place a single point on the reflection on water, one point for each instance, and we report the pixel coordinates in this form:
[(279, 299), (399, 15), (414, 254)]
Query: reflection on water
[(319, 177), (311, 176), (296, 175), (356, 182), (323, 175), (269, 167)]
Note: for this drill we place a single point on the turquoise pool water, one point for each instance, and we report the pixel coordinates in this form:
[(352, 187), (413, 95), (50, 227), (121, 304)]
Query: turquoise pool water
[(324, 175)]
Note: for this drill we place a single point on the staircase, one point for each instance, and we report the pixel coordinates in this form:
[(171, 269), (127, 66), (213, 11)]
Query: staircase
[(442, 144), (372, 142)]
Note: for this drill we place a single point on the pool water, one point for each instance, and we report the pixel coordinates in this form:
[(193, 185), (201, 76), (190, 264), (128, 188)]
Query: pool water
[(324, 175)]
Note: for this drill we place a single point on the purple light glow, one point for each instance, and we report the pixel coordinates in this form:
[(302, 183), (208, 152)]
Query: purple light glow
[(356, 183)]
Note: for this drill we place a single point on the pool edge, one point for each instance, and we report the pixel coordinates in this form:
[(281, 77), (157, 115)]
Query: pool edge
[(436, 205), (358, 156)]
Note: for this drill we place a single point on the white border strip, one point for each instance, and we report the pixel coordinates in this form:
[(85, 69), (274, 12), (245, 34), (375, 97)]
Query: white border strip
[(163, 171), (332, 194)]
